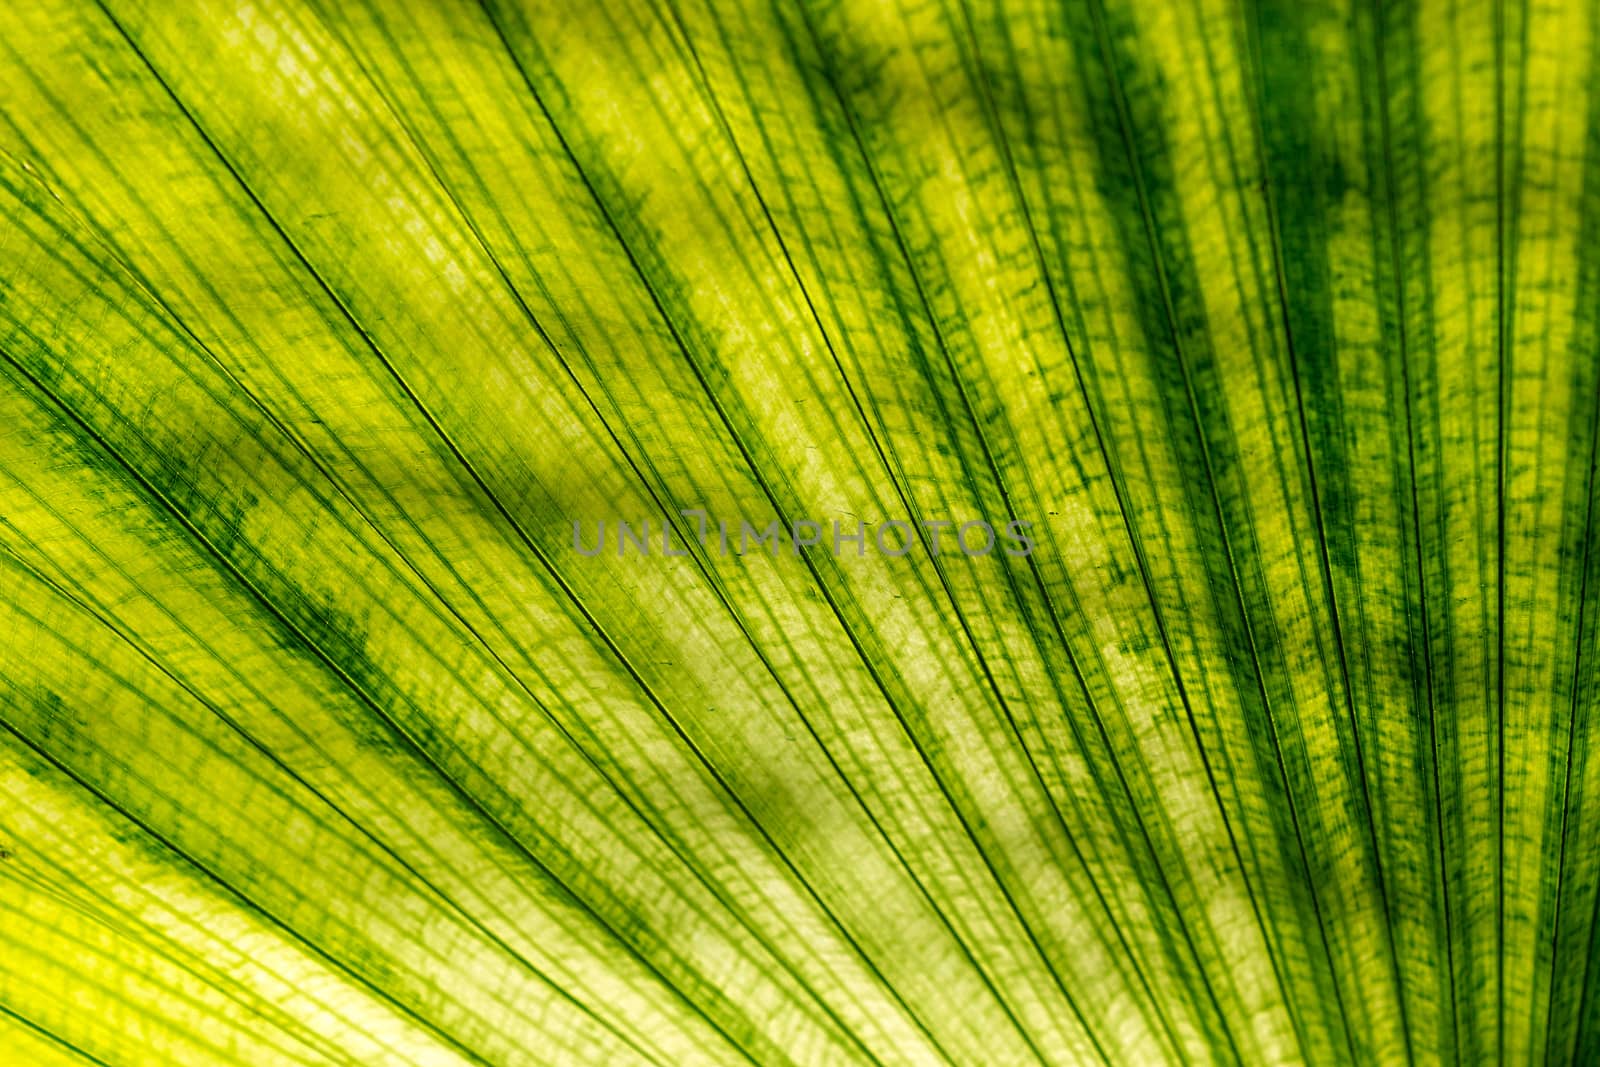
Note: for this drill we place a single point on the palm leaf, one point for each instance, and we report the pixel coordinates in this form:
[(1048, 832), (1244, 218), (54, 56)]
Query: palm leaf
[(323, 325)]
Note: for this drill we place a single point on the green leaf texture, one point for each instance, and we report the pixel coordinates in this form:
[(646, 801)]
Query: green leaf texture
[(323, 321)]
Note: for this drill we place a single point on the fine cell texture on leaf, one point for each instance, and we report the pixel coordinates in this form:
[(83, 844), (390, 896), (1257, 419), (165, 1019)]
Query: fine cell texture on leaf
[(799, 533)]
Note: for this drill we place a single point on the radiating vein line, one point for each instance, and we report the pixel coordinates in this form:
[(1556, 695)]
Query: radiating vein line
[(1572, 726), (1502, 398), (1003, 147), (1397, 271), (51, 1037), (1117, 94), (1324, 558), (905, 253)]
